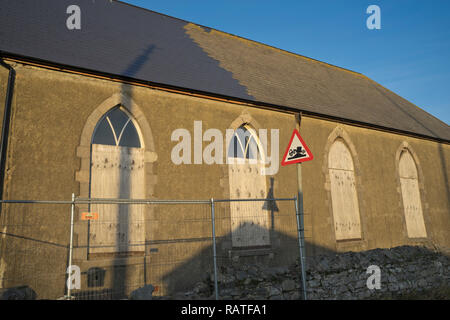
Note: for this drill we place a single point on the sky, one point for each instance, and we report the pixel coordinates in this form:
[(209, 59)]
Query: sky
[(409, 54)]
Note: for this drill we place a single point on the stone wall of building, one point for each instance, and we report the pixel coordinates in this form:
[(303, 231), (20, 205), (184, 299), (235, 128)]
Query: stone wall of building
[(54, 113)]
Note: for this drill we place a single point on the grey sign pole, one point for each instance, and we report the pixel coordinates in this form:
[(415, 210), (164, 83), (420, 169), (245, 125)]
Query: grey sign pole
[(301, 244), (299, 214)]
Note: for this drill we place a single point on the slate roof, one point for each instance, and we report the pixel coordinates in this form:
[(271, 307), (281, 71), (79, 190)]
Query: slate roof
[(120, 39)]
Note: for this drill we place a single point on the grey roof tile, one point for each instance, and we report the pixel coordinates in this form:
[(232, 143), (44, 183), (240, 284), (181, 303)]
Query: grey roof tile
[(120, 39)]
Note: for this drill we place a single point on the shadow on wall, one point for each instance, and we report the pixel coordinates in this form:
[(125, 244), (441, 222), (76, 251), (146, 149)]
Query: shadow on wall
[(120, 273), (406, 272), (444, 169), (283, 252), (326, 271)]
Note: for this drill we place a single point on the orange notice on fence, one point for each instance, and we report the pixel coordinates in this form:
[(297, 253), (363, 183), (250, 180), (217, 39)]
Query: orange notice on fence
[(89, 216)]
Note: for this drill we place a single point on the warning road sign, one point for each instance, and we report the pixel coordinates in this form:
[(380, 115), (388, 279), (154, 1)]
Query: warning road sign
[(297, 150)]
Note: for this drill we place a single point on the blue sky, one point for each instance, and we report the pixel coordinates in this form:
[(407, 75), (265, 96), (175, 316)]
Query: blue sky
[(409, 55)]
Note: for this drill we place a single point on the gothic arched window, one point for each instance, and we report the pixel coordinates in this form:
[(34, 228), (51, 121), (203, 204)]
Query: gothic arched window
[(117, 172), (344, 197), (116, 129), (409, 181), (244, 144), (249, 221)]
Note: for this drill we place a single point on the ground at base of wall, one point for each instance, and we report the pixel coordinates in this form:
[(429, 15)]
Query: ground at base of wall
[(406, 272), (439, 293)]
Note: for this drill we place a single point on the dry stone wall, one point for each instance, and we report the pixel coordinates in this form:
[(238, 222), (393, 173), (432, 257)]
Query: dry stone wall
[(406, 272)]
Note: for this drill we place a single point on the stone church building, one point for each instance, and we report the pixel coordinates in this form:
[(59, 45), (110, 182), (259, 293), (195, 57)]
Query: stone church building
[(124, 102)]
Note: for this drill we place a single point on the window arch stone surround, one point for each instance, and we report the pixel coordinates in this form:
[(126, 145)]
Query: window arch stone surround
[(245, 118), (82, 176), (406, 147), (352, 244), (83, 152)]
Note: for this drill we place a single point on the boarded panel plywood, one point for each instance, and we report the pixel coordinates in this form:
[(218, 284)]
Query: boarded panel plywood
[(117, 172), (344, 197), (407, 166), (409, 182), (249, 222), (339, 157)]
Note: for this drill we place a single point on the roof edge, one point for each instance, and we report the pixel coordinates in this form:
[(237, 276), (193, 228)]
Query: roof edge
[(397, 95)]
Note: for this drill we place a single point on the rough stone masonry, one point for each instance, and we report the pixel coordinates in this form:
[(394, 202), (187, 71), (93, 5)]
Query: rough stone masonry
[(406, 272)]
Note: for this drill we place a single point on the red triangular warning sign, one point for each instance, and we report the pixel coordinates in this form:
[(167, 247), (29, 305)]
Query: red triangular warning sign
[(297, 150)]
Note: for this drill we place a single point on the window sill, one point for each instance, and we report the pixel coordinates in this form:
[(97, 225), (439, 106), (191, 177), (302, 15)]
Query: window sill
[(351, 244), (250, 252)]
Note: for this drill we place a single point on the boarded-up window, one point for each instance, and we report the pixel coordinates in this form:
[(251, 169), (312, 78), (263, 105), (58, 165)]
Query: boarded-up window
[(344, 197), (117, 171), (411, 196), (249, 222)]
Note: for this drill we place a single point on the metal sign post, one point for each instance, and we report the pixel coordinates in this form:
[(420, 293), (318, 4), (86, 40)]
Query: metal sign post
[(301, 242), (299, 203)]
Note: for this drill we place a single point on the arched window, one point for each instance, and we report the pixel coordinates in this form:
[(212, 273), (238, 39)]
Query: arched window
[(412, 205), (249, 222), (244, 144), (344, 197), (116, 129), (117, 172)]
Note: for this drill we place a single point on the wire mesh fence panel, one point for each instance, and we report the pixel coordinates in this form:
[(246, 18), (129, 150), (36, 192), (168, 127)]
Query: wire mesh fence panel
[(142, 249), (254, 239), (137, 249), (34, 244)]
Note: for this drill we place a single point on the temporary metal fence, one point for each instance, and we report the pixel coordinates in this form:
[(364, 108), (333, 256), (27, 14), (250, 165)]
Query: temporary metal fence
[(145, 245)]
